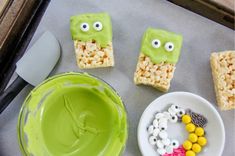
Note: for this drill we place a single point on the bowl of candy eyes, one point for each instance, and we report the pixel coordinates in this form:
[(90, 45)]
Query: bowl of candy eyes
[(177, 124)]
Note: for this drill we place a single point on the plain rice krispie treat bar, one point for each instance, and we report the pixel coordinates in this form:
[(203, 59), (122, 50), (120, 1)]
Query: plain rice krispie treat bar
[(160, 51), (92, 35), (223, 72)]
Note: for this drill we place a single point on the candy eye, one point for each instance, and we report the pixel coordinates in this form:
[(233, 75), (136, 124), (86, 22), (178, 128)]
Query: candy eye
[(84, 27), (174, 119), (174, 144), (156, 43), (152, 140), (169, 46), (181, 112), (98, 26), (175, 108)]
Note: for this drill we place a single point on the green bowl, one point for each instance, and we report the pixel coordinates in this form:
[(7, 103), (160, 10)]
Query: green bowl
[(72, 114)]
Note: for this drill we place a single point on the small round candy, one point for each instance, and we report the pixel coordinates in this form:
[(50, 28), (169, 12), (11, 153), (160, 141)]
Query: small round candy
[(167, 115), (175, 108), (190, 153), (163, 134), (160, 144), (199, 131), (150, 129), (159, 115), (202, 141), (187, 145), (152, 140), (173, 119), (192, 137), (181, 112), (175, 144), (161, 151), (166, 141), (190, 127), (196, 148), (162, 126), (186, 119), (169, 149), (163, 120), (156, 132), (155, 123), (172, 112)]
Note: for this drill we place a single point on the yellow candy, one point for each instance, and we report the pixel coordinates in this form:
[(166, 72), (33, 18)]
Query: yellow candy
[(192, 137), (187, 145), (190, 153), (199, 131), (190, 127), (196, 148), (186, 119), (202, 141)]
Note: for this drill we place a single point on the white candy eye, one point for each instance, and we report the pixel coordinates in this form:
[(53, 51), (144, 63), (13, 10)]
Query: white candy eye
[(175, 108), (160, 144), (150, 129), (181, 112), (159, 115), (156, 132), (166, 142), (152, 140), (171, 111), (155, 123), (162, 126), (156, 43), (174, 144), (98, 26), (84, 27), (174, 119), (163, 134), (169, 46)]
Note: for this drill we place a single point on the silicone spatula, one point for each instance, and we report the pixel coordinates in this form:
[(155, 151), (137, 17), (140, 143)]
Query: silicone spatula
[(33, 67)]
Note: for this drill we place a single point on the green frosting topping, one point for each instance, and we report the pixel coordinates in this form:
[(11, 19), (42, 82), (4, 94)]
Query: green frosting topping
[(167, 50), (103, 36), (73, 114)]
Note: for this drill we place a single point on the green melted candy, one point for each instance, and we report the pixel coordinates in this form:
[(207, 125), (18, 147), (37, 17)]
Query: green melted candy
[(73, 114), (103, 37), (158, 55)]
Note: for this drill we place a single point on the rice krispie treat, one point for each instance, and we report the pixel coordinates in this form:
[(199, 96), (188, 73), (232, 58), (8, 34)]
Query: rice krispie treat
[(223, 72), (92, 36), (160, 51)]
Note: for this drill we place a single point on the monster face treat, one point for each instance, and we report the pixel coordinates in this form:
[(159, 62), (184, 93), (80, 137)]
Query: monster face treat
[(160, 51), (92, 36)]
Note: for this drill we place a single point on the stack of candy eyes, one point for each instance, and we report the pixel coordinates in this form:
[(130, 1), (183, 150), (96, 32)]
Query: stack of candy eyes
[(158, 135)]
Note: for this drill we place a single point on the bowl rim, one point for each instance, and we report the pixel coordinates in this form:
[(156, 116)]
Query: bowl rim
[(189, 94)]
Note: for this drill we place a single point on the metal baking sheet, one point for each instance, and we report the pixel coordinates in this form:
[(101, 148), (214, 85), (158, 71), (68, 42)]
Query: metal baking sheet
[(130, 18)]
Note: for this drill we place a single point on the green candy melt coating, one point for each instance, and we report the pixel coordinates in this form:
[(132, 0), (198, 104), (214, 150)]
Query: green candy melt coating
[(73, 114), (103, 37), (158, 55)]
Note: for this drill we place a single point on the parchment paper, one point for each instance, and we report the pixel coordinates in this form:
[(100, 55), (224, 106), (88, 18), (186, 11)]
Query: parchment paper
[(130, 18)]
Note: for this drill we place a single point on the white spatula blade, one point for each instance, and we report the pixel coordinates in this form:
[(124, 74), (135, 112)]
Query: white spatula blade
[(39, 60)]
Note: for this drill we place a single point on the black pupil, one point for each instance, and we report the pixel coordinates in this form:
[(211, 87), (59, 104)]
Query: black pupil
[(173, 117), (174, 144), (156, 42), (84, 26), (154, 139), (181, 113), (162, 128), (170, 46), (176, 107), (97, 25)]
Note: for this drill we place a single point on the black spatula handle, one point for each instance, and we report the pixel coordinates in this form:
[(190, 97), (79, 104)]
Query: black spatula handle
[(11, 92)]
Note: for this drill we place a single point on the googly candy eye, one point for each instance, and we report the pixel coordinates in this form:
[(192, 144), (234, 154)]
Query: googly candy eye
[(156, 132), (160, 144), (169, 149), (169, 46), (163, 135), (161, 151), (167, 115), (166, 141), (181, 112), (171, 111), (152, 140), (175, 108), (163, 126), (156, 43), (159, 115), (175, 144), (84, 27), (150, 129), (155, 123), (162, 120), (98, 26), (173, 119)]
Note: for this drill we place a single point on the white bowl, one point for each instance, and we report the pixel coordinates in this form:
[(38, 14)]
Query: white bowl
[(215, 133)]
